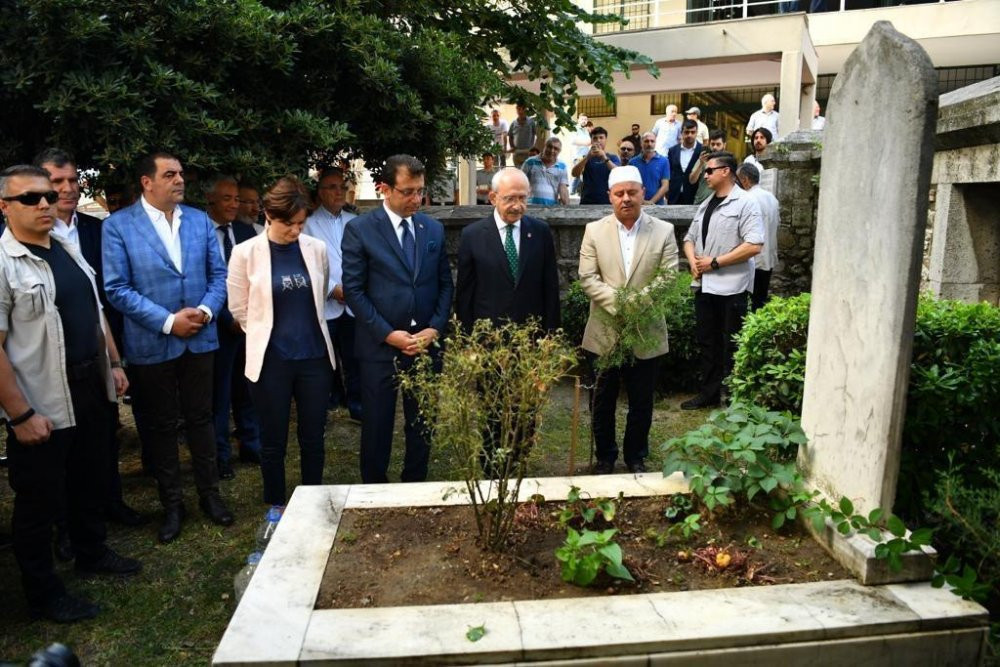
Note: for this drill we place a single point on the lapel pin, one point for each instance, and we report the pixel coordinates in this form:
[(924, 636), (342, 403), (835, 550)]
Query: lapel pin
[(529, 235)]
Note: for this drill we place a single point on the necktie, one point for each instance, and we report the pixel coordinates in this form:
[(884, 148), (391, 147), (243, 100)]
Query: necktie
[(409, 245), (511, 250), (227, 243)]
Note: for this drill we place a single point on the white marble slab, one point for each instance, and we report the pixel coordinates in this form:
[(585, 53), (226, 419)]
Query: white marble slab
[(425, 494)]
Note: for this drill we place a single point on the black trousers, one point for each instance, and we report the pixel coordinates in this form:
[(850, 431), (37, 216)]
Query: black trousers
[(378, 401), (308, 382), (718, 318), (639, 379), (166, 393), (761, 285), (342, 335), (69, 470), (225, 375)]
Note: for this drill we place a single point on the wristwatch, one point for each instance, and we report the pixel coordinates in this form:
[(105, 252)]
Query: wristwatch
[(715, 263)]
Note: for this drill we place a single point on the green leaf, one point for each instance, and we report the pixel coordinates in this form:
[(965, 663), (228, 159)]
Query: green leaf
[(476, 633), (921, 537), (896, 526), (778, 521), (618, 571), (875, 515), (846, 506), (612, 552)]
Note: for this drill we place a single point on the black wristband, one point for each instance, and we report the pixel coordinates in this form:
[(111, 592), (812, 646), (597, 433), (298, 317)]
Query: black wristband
[(17, 421)]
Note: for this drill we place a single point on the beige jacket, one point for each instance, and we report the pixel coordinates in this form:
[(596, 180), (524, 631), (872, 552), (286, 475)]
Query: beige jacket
[(602, 272), (249, 285)]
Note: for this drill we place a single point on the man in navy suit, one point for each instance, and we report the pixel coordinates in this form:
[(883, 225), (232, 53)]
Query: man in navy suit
[(164, 272), (398, 284), (683, 156), (222, 195), (507, 262)]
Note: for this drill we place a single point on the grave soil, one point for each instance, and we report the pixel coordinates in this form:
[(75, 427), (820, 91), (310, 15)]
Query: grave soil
[(429, 555)]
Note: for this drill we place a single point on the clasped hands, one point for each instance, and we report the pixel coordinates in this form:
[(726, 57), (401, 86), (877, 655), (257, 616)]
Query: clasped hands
[(412, 344), (702, 264), (188, 322)]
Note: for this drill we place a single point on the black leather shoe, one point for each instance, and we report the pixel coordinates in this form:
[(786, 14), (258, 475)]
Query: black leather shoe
[(248, 455), (171, 527), (216, 510), (603, 468), (700, 401), (225, 470), (356, 415), (636, 467), (110, 563), (66, 609), (121, 513), (63, 547)]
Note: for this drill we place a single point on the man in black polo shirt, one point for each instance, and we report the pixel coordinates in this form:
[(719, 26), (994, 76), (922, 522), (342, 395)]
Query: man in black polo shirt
[(56, 388)]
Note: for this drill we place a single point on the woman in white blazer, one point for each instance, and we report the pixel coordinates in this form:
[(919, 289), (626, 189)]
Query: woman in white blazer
[(277, 291)]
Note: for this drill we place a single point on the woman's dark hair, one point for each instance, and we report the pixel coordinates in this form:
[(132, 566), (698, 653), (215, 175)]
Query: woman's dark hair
[(286, 198)]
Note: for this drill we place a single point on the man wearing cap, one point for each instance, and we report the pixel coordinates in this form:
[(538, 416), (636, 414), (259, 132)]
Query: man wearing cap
[(627, 249), (694, 113), (723, 238)]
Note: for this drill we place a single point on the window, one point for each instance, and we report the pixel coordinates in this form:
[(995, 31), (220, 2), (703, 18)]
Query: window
[(659, 102), (595, 106), (637, 13)]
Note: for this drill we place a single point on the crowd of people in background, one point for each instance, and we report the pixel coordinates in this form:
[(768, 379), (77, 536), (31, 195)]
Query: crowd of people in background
[(261, 301)]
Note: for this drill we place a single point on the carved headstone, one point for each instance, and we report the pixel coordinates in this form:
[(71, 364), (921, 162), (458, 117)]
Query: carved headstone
[(877, 155)]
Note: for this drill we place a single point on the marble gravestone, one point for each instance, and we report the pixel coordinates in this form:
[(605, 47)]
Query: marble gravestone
[(877, 156)]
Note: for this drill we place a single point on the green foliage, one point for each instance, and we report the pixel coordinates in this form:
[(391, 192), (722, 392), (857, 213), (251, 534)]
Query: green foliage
[(264, 88), (584, 555), (485, 408), (637, 314), (582, 511), (575, 312), (740, 451), (475, 633), (769, 367)]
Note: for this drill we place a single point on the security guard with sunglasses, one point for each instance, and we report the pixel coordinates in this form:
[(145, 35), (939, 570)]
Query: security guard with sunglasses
[(57, 383)]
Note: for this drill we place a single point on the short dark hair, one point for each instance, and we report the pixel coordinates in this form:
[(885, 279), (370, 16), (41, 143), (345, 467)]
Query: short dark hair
[(598, 130), (247, 185), (401, 161), (55, 156), (286, 198), (764, 132), (147, 163), (329, 171), (717, 134), (629, 139), (726, 159), (689, 124), (20, 170), (749, 172), (635, 125)]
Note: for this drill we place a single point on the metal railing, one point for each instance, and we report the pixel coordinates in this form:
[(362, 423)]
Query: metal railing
[(642, 14)]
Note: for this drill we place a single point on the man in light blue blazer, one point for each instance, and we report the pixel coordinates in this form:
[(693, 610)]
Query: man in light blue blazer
[(397, 281), (164, 273)]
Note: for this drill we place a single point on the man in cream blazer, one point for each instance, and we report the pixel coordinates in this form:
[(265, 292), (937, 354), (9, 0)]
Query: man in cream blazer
[(626, 249)]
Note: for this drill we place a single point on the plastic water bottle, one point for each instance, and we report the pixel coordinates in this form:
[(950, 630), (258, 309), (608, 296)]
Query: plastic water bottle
[(242, 578), (267, 528)]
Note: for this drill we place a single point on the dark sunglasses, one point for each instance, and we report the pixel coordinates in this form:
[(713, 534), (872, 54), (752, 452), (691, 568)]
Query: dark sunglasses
[(32, 198), (710, 170)]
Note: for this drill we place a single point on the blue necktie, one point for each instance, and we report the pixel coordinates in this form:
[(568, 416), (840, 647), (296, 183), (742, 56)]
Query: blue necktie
[(409, 245)]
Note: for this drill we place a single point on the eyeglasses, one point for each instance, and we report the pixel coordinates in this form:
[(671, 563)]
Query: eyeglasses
[(409, 192), (334, 186), (32, 198), (711, 170), (249, 201), (626, 149), (514, 199)]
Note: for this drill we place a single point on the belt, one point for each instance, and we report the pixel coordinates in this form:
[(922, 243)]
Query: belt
[(82, 370)]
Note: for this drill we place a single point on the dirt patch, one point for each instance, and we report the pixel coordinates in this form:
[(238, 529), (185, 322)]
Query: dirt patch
[(429, 555)]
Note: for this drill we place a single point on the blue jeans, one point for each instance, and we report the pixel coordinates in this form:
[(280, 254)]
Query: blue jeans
[(308, 382)]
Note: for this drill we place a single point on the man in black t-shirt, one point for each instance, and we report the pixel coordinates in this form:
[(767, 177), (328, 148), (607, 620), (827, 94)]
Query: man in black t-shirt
[(59, 373)]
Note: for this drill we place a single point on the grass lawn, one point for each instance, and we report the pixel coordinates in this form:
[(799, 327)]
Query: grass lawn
[(176, 610)]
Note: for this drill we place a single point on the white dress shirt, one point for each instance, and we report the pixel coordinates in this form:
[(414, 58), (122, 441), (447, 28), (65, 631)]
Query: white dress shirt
[(68, 233), (626, 239), (329, 229), (502, 228)]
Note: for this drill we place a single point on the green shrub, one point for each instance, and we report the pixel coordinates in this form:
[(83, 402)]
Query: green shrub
[(679, 367), (950, 464)]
